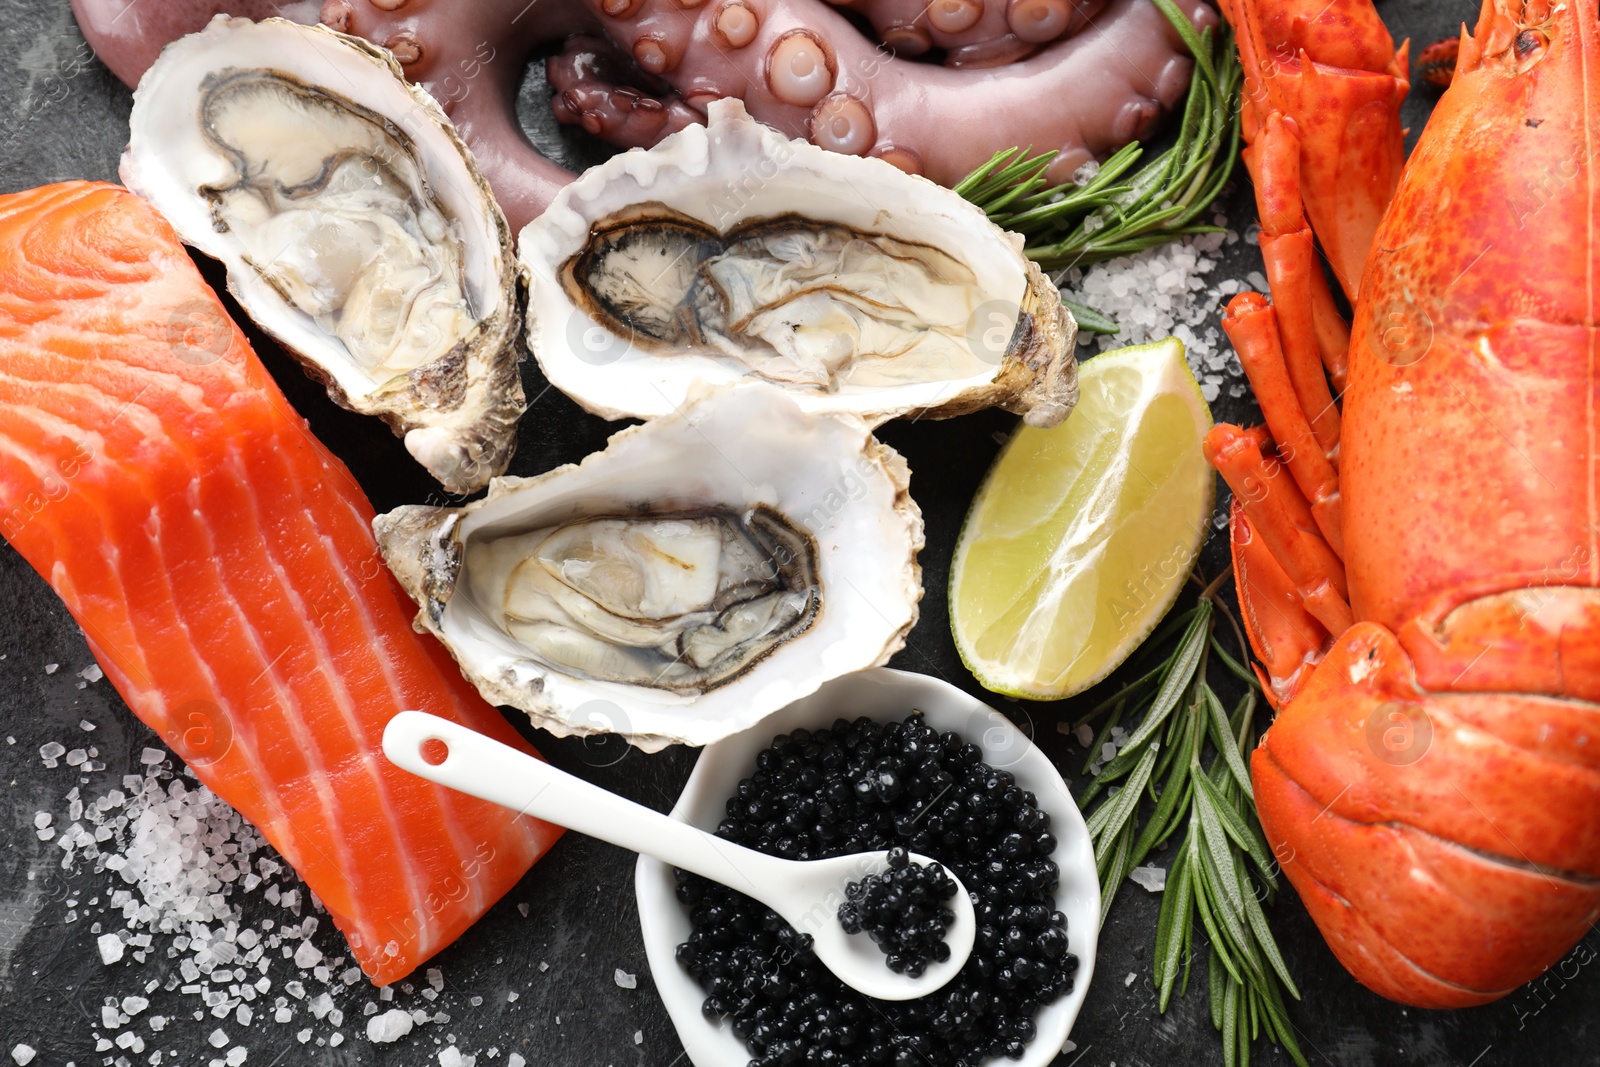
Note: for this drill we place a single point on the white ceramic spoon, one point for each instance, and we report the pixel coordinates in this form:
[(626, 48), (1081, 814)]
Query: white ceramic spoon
[(807, 894)]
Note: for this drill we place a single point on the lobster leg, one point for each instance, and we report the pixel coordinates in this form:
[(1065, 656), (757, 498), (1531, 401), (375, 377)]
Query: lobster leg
[(1253, 327), (1286, 638), (1333, 332), (1435, 785), (1279, 514), (1289, 250)]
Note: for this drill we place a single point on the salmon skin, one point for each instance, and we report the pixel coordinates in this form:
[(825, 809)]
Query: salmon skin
[(222, 565)]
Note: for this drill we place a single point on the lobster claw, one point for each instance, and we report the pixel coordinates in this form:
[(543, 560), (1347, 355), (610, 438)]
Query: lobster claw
[(1352, 147), (1402, 816)]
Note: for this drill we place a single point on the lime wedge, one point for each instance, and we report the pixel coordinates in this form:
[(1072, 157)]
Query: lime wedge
[(1081, 537)]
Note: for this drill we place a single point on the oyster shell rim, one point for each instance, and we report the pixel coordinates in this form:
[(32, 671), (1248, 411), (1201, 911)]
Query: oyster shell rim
[(461, 443), (1036, 378), (423, 548)]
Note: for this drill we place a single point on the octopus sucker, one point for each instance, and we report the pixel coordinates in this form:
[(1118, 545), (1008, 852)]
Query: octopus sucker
[(902, 158), (1000, 59), (843, 123), (800, 69), (954, 16), (736, 23), (1037, 21)]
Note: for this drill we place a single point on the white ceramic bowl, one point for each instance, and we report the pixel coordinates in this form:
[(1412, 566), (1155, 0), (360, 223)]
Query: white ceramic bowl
[(883, 695)]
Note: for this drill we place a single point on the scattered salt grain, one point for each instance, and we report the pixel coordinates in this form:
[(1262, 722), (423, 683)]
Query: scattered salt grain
[(435, 978), (237, 1055), (304, 1035), (450, 1056), (1153, 879), (516, 1060), (217, 1038), (638, 1037), (151, 756), (523, 909), (23, 1055), (543, 966), (158, 1023), (86, 726), (110, 948), (52, 750), (511, 997), (51, 668), (92, 673), (307, 956), (1085, 735), (321, 1005), (134, 1005), (626, 980), (1130, 979)]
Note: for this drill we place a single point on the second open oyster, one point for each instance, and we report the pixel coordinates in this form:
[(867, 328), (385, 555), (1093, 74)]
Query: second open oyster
[(704, 570)]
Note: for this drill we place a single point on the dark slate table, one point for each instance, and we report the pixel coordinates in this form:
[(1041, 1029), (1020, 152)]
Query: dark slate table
[(66, 118)]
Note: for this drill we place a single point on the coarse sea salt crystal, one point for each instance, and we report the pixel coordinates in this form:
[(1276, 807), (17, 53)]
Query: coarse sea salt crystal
[(52, 750), (625, 980), (110, 948), (435, 978), (92, 673), (217, 1038), (1153, 879), (450, 1056), (516, 1060), (22, 1055), (307, 956)]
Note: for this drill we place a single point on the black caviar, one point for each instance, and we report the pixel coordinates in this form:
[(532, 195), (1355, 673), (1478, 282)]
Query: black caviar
[(864, 786), (902, 910)]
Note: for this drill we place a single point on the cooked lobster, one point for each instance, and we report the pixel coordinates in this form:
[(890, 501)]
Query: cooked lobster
[(1420, 571)]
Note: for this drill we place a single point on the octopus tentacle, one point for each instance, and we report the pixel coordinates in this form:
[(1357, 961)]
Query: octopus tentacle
[(634, 71), (974, 33), (1122, 74), (593, 88)]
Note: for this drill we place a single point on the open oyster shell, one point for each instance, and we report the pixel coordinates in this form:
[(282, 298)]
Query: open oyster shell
[(704, 570), (730, 252), (353, 223)]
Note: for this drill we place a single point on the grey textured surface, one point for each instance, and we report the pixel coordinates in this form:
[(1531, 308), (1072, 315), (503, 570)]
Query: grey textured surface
[(65, 118)]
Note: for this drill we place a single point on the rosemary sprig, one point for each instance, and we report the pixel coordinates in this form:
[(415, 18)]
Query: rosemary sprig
[(1183, 769), (1120, 210)]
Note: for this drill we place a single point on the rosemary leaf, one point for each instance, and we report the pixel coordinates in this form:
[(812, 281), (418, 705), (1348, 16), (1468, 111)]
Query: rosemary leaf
[(1131, 203), (1183, 768)]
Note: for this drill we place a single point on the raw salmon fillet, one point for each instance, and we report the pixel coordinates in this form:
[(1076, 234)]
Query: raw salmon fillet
[(222, 564)]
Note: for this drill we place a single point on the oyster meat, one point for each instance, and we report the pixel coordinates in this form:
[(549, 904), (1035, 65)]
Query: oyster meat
[(729, 252), (679, 602), (354, 226), (704, 570)]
